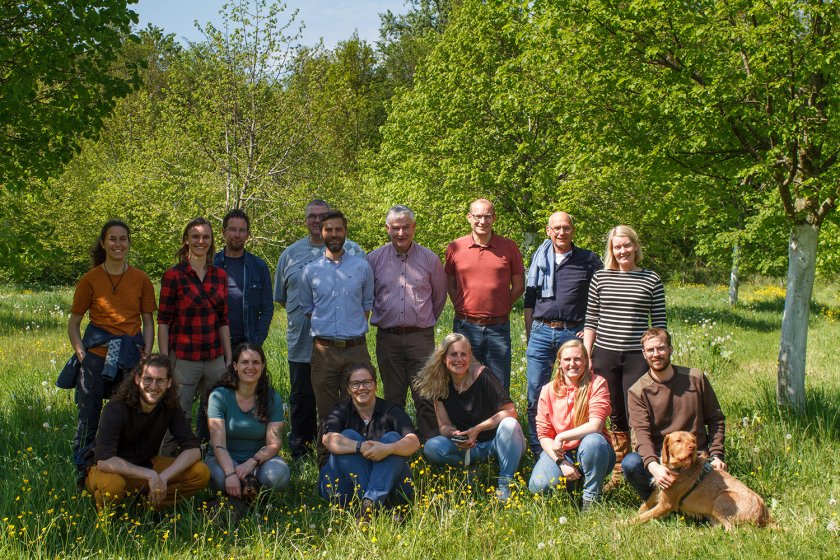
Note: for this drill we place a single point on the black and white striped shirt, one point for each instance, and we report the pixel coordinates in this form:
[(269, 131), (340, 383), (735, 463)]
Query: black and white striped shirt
[(622, 305)]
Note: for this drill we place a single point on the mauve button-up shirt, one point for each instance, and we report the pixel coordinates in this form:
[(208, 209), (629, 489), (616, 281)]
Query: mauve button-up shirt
[(409, 290)]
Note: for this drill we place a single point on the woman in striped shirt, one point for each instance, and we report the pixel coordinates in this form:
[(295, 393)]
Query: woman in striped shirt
[(624, 300)]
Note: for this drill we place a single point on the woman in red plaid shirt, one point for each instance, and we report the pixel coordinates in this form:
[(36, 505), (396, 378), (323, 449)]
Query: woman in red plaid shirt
[(193, 320)]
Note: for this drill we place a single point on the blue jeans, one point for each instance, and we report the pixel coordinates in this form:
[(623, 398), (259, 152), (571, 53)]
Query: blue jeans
[(350, 475), (490, 346), (272, 474), (508, 447), (543, 345), (636, 475), (596, 457)]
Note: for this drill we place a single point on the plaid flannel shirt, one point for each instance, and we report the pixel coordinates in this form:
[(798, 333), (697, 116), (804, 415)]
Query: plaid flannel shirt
[(194, 311)]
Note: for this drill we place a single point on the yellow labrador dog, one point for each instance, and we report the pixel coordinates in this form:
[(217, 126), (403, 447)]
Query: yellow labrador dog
[(700, 491)]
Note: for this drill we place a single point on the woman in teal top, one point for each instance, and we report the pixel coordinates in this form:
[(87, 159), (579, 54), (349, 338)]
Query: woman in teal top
[(245, 417)]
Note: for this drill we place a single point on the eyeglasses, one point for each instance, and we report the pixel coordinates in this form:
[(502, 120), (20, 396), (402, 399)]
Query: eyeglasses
[(153, 381), (485, 217), (366, 383), (657, 350), (241, 231), (315, 216), (559, 229)]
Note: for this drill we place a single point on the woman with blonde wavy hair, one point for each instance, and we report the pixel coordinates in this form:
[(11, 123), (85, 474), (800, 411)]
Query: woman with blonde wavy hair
[(476, 418), (571, 418)]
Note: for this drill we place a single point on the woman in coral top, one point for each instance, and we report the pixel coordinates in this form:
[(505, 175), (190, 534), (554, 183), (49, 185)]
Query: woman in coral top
[(570, 426)]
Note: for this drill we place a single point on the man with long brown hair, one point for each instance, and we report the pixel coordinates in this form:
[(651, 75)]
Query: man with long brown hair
[(125, 456)]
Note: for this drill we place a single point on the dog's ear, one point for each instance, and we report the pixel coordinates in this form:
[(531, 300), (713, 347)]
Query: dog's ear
[(666, 453)]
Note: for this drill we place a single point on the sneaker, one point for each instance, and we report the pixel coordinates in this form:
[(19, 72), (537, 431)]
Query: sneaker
[(365, 515), (587, 505), (503, 493)]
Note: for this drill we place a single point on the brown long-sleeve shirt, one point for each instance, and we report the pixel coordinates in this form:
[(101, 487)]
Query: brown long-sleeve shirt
[(685, 402)]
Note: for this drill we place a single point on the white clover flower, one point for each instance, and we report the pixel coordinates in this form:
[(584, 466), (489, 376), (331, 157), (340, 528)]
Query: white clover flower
[(832, 526), (562, 520), (745, 421), (44, 383), (832, 501), (788, 437), (774, 503), (46, 425), (541, 545)]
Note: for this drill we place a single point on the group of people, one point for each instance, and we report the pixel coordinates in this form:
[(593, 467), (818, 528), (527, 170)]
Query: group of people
[(598, 363)]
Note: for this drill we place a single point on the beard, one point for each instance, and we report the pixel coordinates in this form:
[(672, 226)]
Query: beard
[(334, 244), (661, 365)]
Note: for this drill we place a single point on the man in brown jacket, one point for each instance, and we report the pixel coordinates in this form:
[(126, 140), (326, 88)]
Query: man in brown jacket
[(667, 399)]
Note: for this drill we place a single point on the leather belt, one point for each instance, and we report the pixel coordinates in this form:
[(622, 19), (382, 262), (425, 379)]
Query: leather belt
[(403, 330), (560, 324), (483, 321), (340, 342)]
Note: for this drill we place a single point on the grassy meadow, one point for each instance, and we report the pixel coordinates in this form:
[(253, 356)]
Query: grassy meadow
[(794, 463)]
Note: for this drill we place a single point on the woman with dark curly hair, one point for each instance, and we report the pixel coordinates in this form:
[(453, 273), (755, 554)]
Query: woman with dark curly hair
[(245, 417)]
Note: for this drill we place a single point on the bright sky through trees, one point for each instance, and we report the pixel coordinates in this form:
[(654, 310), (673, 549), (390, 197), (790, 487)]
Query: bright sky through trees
[(334, 20)]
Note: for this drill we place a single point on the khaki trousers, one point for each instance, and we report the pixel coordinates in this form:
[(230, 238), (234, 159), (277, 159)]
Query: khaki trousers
[(110, 488)]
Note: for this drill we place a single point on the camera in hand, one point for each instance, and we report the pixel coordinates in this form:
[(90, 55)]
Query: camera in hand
[(460, 438)]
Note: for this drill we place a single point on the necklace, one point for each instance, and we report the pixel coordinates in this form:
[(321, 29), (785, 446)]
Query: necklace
[(465, 385), (114, 286)]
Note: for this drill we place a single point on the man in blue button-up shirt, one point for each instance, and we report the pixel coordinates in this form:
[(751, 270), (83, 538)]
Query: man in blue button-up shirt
[(337, 293)]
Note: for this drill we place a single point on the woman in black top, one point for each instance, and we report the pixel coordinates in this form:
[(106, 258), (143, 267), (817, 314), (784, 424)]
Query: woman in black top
[(475, 415), (369, 441)]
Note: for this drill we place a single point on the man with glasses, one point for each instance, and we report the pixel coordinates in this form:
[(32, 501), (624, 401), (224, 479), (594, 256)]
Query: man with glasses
[(125, 456), (409, 296), (369, 441), (668, 399), (485, 276), (556, 293), (304, 422), (250, 308)]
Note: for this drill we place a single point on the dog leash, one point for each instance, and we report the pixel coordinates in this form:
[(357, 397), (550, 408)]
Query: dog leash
[(707, 468)]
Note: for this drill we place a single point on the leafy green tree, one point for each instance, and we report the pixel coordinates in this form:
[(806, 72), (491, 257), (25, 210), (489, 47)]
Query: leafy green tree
[(739, 90), (58, 80)]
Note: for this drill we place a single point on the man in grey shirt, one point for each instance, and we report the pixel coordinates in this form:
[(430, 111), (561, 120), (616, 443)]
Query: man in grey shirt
[(290, 266)]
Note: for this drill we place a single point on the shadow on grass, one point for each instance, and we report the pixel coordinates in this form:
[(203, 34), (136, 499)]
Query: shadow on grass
[(10, 323), (820, 419), (678, 313)]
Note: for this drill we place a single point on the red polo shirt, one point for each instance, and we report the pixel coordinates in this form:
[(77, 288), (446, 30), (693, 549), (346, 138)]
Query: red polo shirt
[(483, 275)]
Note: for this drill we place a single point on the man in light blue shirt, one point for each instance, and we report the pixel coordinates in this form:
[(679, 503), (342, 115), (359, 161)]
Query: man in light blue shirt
[(290, 267), (336, 291)]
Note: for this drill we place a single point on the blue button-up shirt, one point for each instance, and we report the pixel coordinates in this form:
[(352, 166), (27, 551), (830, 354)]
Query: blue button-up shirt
[(287, 289), (337, 295)]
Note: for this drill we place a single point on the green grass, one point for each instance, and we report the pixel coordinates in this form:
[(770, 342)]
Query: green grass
[(792, 462)]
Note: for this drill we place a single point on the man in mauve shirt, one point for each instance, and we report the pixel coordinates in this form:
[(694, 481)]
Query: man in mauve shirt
[(409, 296)]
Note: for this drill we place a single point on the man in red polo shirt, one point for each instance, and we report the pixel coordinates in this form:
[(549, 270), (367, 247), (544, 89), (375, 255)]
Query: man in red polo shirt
[(485, 276)]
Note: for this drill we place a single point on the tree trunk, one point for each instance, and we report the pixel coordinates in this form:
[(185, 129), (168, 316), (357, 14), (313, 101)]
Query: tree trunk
[(733, 275), (802, 258)]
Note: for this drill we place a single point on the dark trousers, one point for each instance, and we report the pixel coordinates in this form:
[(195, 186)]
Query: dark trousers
[(301, 409), (91, 390), (621, 370), (400, 358)]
